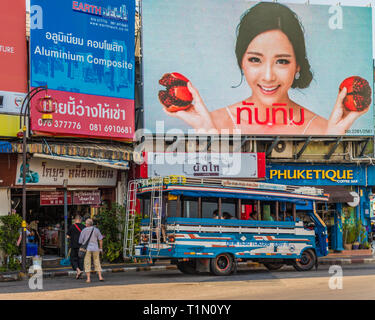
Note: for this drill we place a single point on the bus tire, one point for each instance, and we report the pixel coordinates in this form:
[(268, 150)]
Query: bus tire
[(306, 262), (222, 265), (187, 267), (273, 266)]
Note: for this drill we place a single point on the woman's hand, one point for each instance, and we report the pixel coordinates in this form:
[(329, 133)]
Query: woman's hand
[(196, 116), (341, 119)]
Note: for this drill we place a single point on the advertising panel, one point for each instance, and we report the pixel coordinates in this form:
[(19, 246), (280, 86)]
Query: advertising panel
[(84, 53), (13, 56), (42, 172), (206, 165), (263, 68), (316, 175)]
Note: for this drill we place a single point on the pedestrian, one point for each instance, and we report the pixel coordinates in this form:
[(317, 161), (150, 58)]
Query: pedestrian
[(93, 250), (228, 216), (73, 235)]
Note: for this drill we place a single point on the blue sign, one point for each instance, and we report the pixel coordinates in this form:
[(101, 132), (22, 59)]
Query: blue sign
[(316, 175), (83, 46)]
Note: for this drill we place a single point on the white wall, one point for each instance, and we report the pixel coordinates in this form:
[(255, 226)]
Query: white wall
[(5, 201)]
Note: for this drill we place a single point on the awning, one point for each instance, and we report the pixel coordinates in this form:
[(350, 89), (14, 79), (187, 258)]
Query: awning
[(337, 193), (5, 147), (107, 155)]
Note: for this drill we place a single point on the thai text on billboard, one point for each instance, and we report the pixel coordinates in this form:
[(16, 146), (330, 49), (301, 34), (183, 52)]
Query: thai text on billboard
[(84, 53), (261, 68)]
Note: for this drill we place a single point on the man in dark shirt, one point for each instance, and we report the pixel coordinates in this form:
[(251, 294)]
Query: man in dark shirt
[(73, 235)]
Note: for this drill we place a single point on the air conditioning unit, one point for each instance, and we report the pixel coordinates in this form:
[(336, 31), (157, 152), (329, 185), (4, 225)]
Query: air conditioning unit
[(283, 149)]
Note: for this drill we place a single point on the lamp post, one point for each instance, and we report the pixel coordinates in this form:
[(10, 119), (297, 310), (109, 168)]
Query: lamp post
[(25, 112)]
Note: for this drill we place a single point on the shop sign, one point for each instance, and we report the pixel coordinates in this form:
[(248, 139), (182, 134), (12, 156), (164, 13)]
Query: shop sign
[(88, 65), (206, 165), (316, 175), (54, 198), (48, 172), (86, 197)]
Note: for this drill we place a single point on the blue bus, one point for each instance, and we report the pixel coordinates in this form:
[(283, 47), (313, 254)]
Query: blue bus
[(208, 225)]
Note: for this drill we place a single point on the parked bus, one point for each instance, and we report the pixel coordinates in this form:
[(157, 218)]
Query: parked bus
[(208, 225)]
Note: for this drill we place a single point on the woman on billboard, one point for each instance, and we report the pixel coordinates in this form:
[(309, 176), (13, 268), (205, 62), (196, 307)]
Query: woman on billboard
[(271, 55)]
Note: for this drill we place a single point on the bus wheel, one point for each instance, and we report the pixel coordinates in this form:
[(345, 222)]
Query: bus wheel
[(187, 267), (222, 265), (273, 266), (307, 261)]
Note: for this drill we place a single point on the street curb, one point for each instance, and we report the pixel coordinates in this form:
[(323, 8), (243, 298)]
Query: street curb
[(52, 274)]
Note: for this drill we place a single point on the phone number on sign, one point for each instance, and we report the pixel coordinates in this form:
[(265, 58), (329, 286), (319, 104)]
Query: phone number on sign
[(109, 128), (60, 124), (77, 125)]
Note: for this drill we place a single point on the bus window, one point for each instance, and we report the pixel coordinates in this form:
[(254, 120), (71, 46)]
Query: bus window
[(190, 207), (209, 205)]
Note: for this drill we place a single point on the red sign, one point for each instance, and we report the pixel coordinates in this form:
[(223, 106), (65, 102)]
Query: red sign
[(86, 115), (86, 197), (54, 198), (13, 56)]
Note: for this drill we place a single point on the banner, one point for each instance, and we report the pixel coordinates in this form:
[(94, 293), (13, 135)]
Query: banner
[(42, 172), (84, 53), (13, 56), (261, 68), (206, 165)]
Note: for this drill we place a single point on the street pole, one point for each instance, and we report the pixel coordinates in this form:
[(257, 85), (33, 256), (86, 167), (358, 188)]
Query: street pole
[(24, 200), (24, 113), (66, 221)]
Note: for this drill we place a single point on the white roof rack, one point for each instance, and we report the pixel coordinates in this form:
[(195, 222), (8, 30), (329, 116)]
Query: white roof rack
[(233, 183)]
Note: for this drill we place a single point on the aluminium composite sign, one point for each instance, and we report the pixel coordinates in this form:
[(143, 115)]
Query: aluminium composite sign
[(84, 53), (197, 39)]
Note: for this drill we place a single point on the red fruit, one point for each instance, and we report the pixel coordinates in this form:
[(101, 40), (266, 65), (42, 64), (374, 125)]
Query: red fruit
[(177, 96), (358, 96)]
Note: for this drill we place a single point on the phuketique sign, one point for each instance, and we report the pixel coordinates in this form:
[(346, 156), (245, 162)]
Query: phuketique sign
[(54, 198)]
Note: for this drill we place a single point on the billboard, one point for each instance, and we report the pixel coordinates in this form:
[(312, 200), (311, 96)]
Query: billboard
[(259, 67), (84, 53), (13, 56)]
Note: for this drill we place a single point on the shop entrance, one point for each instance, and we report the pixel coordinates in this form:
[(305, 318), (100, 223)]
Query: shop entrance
[(46, 222)]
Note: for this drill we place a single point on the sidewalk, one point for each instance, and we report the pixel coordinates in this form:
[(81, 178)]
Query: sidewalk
[(342, 258)]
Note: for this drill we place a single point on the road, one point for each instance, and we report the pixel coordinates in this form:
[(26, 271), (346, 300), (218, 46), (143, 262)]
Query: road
[(358, 282)]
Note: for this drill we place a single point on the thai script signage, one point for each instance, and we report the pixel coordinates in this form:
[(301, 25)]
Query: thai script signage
[(53, 172), (54, 198), (206, 165), (315, 175), (88, 65)]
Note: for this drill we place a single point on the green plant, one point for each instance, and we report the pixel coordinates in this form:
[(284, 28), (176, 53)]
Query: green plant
[(9, 233), (110, 222)]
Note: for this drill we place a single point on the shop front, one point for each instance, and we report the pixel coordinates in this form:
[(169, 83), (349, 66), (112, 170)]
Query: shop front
[(58, 190), (347, 185)]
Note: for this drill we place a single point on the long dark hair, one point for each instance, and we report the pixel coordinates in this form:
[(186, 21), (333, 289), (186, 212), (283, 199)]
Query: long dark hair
[(266, 16)]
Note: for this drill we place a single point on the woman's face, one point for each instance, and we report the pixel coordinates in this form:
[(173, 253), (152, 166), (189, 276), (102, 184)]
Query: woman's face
[(269, 65)]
